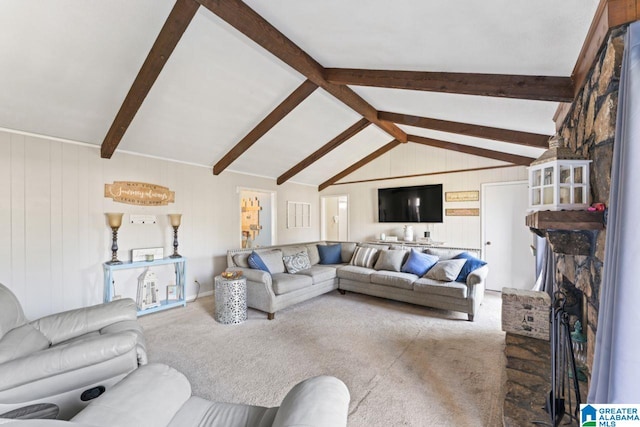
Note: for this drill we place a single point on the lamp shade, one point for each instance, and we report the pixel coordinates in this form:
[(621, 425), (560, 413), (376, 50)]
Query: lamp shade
[(115, 219), (175, 219)]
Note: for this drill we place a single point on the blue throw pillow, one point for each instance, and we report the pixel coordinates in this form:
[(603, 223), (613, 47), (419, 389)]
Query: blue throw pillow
[(472, 263), (330, 254), (419, 263), (256, 262)]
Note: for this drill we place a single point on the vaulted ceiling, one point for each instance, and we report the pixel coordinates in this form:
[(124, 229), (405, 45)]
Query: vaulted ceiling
[(293, 90)]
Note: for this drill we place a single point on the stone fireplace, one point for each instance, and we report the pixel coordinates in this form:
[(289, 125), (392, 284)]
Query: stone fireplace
[(576, 238)]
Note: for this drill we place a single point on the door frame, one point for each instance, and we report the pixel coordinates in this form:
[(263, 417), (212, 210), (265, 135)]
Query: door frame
[(273, 198), (323, 219)]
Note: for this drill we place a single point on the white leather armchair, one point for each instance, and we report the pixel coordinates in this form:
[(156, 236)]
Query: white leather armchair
[(65, 359), (159, 396)]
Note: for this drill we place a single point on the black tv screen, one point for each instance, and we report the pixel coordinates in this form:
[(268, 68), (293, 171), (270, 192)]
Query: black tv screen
[(421, 203)]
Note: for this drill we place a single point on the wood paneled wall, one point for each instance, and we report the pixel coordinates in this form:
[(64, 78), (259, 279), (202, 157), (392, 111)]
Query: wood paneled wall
[(408, 159), (55, 237)]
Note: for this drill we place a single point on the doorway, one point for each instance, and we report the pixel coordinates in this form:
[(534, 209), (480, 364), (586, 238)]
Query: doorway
[(257, 220), (506, 240), (334, 218)]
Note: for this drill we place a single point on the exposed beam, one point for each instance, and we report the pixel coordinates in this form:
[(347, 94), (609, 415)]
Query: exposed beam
[(539, 88), (379, 152), (496, 134), (255, 27), (175, 25), (285, 107), (482, 152), (417, 175), (328, 147)]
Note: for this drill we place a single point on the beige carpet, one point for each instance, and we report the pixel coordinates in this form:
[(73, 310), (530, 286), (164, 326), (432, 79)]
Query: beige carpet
[(404, 365)]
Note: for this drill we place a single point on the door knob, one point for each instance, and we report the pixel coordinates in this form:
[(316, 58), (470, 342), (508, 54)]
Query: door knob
[(488, 243)]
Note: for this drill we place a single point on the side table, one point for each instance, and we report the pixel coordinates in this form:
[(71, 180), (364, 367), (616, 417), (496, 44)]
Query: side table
[(230, 300)]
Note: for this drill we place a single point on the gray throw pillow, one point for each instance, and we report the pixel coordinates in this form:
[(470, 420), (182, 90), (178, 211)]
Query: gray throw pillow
[(314, 256), (364, 257), (297, 262), (273, 261), (446, 271), (390, 260)]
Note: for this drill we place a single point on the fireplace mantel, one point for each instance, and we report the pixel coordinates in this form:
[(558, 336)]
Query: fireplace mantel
[(568, 232), (566, 220)]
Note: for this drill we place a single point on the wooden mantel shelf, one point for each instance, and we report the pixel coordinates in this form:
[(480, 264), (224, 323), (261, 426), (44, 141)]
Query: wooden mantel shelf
[(566, 220)]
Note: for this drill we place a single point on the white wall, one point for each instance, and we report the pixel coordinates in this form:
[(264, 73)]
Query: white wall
[(55, 236), (411, 159)]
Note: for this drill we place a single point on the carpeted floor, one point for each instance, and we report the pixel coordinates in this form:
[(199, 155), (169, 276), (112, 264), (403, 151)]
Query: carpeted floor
[(404, 365)]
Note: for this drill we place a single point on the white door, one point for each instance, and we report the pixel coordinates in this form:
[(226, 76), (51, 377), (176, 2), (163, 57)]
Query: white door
[(335, 218), (506, 239)]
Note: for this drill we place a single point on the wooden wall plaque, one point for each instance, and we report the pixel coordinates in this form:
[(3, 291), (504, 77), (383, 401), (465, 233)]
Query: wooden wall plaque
[(139, 193), (462, 212), (461, 196)]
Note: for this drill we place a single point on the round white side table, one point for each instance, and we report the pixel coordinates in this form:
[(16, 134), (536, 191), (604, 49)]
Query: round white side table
[(231, 300)]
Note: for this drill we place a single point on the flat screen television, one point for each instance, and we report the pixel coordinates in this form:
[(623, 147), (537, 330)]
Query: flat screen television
[(421, 203)]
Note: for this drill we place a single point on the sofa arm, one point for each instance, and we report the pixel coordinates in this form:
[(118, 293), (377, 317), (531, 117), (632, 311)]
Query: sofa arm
[(316, 402), (66, 357), (148, 397), (477, 276), (73, 323), (253, 275)]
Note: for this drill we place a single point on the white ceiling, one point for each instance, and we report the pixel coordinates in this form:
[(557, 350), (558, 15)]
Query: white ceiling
[(68, 64)]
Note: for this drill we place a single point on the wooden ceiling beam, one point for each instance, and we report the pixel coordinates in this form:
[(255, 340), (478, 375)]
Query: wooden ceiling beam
[(538, 88), (379, 152), (280, 112), (177, 22), (482, 152), (325, 149), (478, 131), (255, 27)]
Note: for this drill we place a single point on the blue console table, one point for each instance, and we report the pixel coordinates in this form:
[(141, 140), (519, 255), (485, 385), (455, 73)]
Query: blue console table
[(179, 263)]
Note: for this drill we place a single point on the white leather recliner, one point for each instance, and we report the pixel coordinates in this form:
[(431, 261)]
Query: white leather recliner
[(65, 359), (159, 396)]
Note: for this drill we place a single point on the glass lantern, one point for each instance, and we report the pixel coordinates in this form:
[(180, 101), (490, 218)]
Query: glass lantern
[(559, 179)]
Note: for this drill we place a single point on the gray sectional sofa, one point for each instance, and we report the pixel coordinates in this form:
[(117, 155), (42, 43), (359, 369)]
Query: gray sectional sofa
[(277, 289)]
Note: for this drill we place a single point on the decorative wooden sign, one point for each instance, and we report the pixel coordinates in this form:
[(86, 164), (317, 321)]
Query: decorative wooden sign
[(462, 196), (139, 193), (462, 212)]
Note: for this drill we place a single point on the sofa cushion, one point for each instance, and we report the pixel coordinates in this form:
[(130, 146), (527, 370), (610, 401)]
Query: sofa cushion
[(292, 250), (390, 260), (314, 256), (443, 254), (348, 248), (241, 260), (446, 270), (378, 246), (353, 272), (419, 263), (255, 261), (284, 283), (472, 263), (296, 262), (394, 279), (273, 260), (437, 287), (364, 257), (330, 254), (319, 273)]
